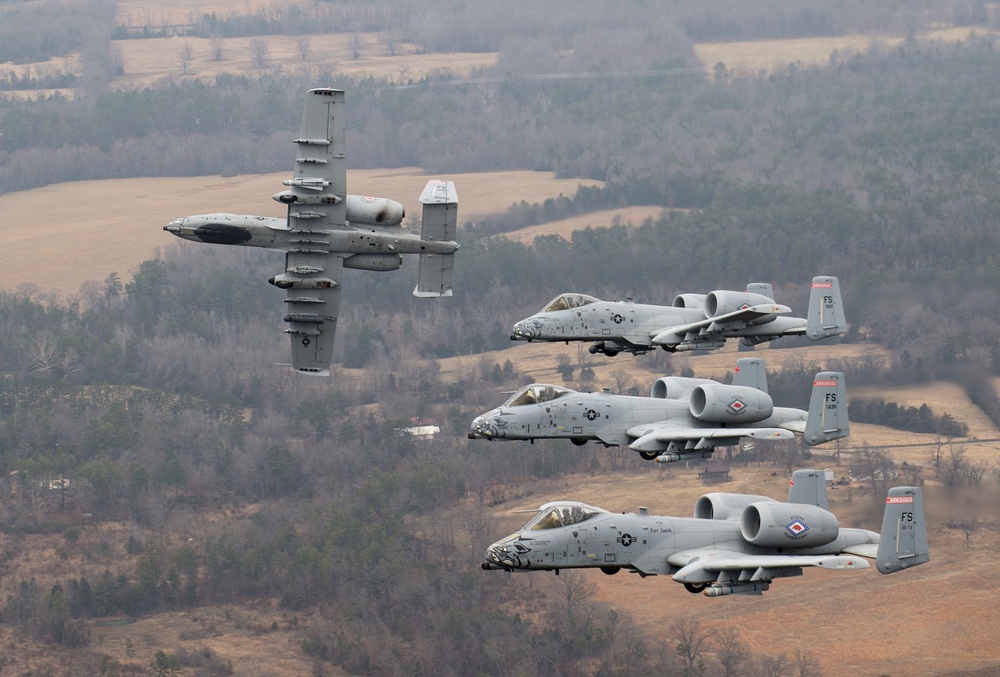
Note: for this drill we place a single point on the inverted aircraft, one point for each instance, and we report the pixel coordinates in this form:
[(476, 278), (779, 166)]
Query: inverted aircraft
[(736, 544), (682, 419), (693, 322), (328, 230)]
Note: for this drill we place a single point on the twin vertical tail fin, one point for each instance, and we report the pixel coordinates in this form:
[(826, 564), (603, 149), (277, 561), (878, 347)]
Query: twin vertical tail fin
[(827, 418), (903, 541), (751, 373), (826, 309), (440, 219), (808, 487)]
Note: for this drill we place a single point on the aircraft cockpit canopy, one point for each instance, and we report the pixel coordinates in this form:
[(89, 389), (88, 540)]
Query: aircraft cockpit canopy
[(568, 302), (555, 515), (536, 393)]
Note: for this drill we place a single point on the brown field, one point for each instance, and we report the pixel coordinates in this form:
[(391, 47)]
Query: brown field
[(147, 61), (89, 236), (939, 618), (564, 228), (751, 57)]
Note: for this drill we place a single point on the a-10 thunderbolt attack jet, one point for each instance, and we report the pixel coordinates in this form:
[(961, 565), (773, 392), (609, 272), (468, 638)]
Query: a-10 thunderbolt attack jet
[(736, 544), (693, 322), (328, 230), (682, 419)]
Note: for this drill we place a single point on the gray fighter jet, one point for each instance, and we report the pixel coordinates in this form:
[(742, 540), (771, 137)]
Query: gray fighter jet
[(328, 230), (735, 544), (682, 419), (693, 322)]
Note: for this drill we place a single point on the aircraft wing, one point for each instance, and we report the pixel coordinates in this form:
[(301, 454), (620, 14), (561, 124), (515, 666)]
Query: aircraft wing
[(717, 324), (696, 566), (317, 204), (317, 200), (312, 307), (654, 436)]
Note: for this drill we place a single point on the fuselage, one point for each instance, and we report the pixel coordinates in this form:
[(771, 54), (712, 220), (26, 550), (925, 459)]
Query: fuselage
[(604, 320), (613, 419), (568, 534), (637, 327), (274, 233)]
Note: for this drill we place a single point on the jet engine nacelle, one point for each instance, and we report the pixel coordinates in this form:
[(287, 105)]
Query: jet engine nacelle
[(378, 262), (722, 506), (689, 301), (788, 525), (716, 403), (374, 211), (721, 302), (675, 387)]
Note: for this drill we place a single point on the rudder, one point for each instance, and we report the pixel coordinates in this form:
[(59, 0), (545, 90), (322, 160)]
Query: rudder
[(827, 418), (903, 541)]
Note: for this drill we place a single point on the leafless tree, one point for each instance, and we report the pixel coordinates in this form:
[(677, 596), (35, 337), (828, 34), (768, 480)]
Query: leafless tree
[(806, 664), (215, 44), (304, 47), (389, 41), (876, 468), (575, 591), (486, 92), (623, 384), (259, 53), (185, 57), (967, 526), (690, 639), (731, 652), (773, 666), (935, 457), (357, 44)]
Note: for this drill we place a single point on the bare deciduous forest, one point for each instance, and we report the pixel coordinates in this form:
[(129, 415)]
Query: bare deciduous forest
[(208, 477)]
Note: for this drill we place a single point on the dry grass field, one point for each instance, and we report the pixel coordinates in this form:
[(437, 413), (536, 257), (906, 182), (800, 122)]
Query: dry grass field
[(565, 227), (940, 618), (766, 55), (147, 61)]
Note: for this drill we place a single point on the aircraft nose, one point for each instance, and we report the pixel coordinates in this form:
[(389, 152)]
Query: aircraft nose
[(480, 427), (524, 329), (180, 228), (499, 556)]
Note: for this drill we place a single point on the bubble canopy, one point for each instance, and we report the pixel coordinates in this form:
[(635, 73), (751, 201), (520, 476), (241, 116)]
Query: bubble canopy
[(568, 302), (536, 393), (563, 514)]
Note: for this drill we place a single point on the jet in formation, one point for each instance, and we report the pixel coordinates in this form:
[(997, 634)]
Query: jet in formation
[(693, 322), (736, 544), (328, 230), (682, 419)]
